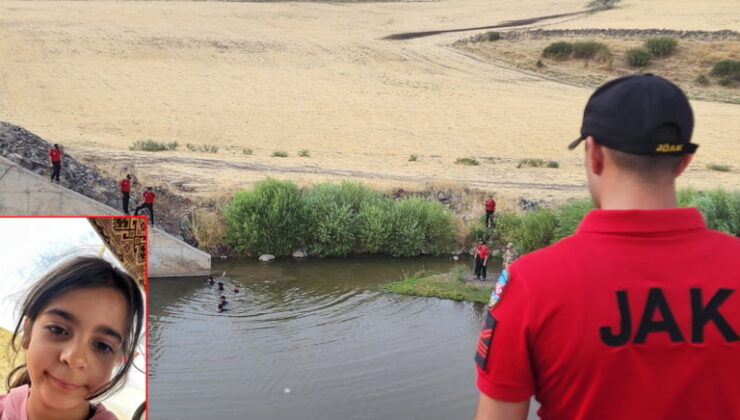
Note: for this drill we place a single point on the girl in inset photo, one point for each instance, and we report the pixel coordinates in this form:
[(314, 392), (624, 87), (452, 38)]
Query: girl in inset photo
[(79, 327)]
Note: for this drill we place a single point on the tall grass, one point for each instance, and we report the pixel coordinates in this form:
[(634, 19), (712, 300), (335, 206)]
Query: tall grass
[(153, 146), (638, 57), (269, 219), (335, 220), (661, 46), (721, 208)]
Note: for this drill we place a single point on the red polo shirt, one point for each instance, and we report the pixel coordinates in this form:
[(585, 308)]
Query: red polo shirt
[(635, 316), (149, 197), (490, 205), (483, 252), (55, 155), (125, 185)]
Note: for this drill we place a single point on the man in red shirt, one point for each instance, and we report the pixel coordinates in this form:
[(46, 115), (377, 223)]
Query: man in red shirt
[(125, 186), (481, 260), (490, 209), (55, 156), (636, 315), (148, 204)]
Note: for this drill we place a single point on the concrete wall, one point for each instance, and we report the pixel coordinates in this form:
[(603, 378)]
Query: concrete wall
[(24, 193)]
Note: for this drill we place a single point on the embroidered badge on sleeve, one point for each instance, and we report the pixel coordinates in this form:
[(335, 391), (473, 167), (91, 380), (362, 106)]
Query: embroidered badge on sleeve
[(484, 341), (503, 279)]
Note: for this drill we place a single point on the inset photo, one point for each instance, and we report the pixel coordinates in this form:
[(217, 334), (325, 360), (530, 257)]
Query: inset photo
[(73, 304)]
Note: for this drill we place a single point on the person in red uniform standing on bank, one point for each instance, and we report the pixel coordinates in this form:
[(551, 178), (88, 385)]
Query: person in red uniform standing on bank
[(148, 204), (637, 314), (125, 186), (481, 261), (55, 156), (490, 209)]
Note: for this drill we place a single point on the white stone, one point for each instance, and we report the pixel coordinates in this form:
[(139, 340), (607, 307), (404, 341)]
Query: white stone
[(266, 257)]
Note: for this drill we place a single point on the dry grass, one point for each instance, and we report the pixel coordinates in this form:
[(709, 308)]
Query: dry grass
[(5, 355), (691, 58), (146, 75)]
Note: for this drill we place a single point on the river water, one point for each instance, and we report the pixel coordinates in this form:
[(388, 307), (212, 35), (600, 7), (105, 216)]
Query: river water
[(314, 339)]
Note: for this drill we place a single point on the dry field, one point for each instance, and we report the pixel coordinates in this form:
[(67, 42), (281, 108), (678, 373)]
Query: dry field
[(97, 76)]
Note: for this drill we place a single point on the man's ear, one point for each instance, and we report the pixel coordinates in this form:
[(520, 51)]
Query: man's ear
[(684, 163), (26, 340), (594, 156)]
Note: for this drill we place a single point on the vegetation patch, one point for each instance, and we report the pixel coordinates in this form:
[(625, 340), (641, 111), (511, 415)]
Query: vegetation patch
[(637, 57), (304, 153), (558, 50), (247, 151), (5, 353), (153, 146), (720, 168), (721, 208), (413, 158), (467, 161), (279, 153), (727, 69), (661, 46), (590, 50), (335, 220), (538, 163), (205, 148), (443, 286)]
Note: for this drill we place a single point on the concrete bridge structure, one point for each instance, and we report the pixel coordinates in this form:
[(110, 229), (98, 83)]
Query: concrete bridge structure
[(25, 193)]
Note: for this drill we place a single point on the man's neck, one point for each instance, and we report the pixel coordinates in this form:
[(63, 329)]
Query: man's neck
[(631, 194)]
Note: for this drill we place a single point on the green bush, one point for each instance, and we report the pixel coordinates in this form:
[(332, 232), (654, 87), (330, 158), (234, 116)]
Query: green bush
[(247, 151), (537, 230), (558, 50), (279, 153), (413, 158), (406, 236), (726, 68), (152, 146), (721, 209), (375, 226), (437, 223), (467, 161), (333, 220), (590, 50), (720, 168), (191, 147), (637, 57), (661, 46), (725, 81), (271, 218), (570, 215), (539, 64), (537, 163), (493, 36), (304, 153)]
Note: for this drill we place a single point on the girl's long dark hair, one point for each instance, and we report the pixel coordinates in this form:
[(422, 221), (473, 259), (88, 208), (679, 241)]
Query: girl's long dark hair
[(83, 273)]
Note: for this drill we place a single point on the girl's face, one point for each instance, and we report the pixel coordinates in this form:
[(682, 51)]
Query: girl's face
[(73, 346)]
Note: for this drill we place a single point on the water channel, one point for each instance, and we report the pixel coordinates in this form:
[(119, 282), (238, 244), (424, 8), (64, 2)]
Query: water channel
[(314, 339)]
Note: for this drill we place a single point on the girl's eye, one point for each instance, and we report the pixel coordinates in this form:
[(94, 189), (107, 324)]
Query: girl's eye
[(101, 346), (56, 330)]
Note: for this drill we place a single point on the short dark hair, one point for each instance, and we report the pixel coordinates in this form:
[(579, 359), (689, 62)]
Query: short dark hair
[(649, 167)]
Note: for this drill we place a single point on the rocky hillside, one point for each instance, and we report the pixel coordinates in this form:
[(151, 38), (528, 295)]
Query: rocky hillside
[(31, 152)]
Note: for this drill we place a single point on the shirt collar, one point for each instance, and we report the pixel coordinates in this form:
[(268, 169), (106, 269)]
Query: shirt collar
[(623, 221)]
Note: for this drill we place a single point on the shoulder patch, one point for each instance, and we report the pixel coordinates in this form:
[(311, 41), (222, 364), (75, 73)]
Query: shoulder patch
[(498, 290)]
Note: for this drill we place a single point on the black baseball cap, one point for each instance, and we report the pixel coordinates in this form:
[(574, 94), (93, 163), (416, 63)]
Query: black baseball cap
[(626, 113)]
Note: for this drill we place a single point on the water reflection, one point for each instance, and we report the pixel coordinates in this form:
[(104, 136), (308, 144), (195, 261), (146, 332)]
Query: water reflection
[(312, 339)]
